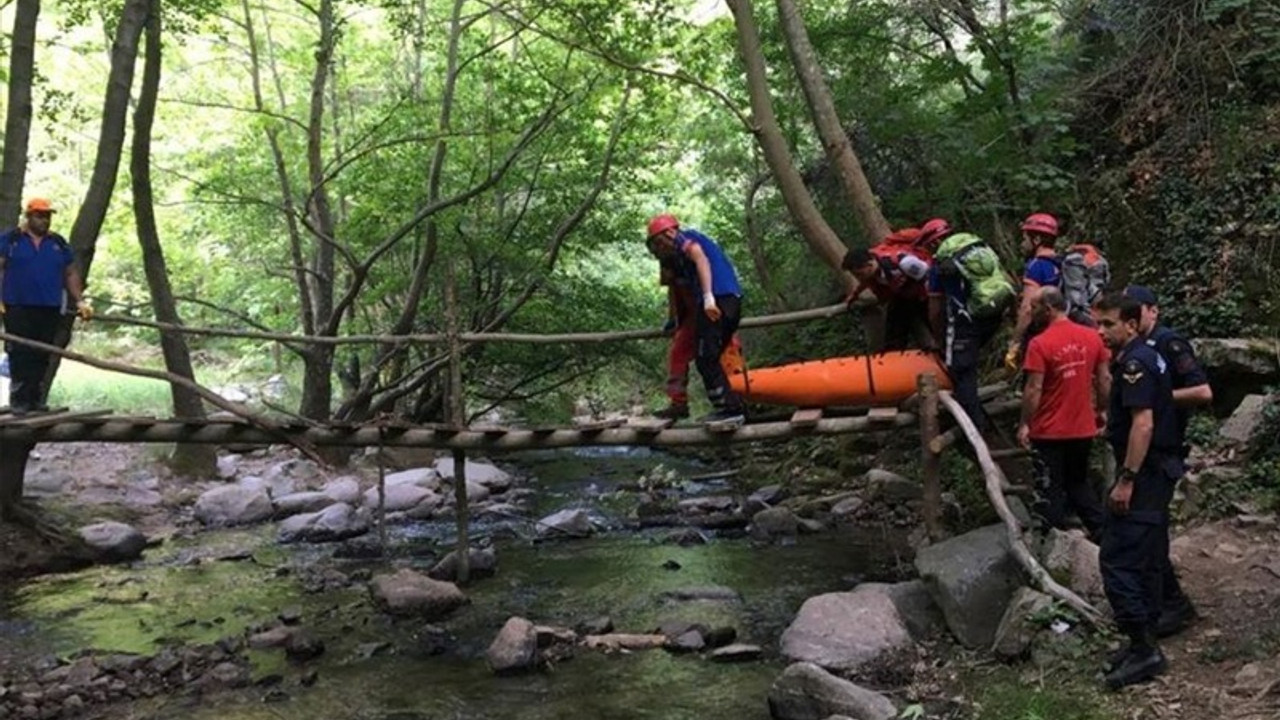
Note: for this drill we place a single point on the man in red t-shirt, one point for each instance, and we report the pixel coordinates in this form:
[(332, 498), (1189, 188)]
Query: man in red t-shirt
[(1063, 407)]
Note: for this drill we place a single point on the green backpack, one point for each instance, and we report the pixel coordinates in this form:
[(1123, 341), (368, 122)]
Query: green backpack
[(990, 292)]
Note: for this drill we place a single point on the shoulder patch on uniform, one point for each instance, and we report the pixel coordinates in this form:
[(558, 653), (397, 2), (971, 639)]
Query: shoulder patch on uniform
[(1132, 371)]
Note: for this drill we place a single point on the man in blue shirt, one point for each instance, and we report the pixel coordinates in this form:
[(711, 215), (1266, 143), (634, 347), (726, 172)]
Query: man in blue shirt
[(1143, 430), (36, 266), (1039, 235), (721, 307), (1190, 390)]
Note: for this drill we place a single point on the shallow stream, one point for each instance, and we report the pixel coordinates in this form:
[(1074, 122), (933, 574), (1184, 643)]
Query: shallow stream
[(377, 667)]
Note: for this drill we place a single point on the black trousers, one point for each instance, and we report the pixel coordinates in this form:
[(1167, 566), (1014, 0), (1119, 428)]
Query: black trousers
[(965, 339), (713, 338), (903, 321), (1062, 484), (27, 365), (1171, 595), (1130, 562), (1135, 550)]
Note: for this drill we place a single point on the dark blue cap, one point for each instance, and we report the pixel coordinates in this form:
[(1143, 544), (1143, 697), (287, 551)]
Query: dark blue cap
[(1142, 294)]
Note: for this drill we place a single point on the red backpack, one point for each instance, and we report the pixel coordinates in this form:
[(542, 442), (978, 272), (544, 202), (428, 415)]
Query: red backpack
[(889, 253)]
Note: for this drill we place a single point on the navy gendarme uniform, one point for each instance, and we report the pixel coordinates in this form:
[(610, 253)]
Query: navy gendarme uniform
[(1184, 368), (1135, 544), (1185, 372)]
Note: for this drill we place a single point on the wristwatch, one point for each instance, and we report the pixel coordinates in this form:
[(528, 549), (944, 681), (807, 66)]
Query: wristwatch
[(1127, 475)]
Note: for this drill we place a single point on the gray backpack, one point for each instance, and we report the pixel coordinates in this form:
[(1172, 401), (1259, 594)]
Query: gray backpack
[(1085, 274)]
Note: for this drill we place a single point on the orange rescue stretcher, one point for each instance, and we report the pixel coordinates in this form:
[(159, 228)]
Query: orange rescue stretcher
[(881, 379)]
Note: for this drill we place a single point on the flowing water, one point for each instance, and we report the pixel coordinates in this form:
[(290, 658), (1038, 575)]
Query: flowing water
[(377, 667)]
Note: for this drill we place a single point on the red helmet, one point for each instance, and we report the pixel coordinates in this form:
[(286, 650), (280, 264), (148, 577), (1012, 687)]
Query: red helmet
[(1042, 223), (933, 231), (662, 223)]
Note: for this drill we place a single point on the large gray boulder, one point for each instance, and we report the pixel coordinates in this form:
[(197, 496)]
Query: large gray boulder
[(114, 541), (233, 505), (1247, 419), (411, 594), (428, 478), (481, 473), (805, 691), (886, 487), (566, 523), (303, 502), (1238, 356), (846, 631), (336, 522), (399, 498), (482, 562), (1072, 560), (1018, 627), (915, 605), (515, 649), (971, 577), (773, 523), (344, 489)]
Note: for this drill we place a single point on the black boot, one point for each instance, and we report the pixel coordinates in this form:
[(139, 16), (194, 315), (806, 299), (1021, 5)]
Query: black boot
[(1175, 617), (1143, 662)]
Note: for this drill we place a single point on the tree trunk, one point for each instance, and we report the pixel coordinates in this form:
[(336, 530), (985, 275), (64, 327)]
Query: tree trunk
[(106, 165), (817, 233), (17, 126), (834, 139), (317, 382), (13, 469), (755, 244), (115, 112), (196, 460)]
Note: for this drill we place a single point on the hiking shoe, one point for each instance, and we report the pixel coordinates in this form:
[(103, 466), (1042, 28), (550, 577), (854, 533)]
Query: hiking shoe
[(1140, 665), (1174, 620), (674, 411), (1115, 658), (725, 417)]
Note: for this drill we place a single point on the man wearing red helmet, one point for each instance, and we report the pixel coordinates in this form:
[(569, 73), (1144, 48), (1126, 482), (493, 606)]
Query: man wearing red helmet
[(713, 274), (679, 276), (1039, 235), (895, 271)]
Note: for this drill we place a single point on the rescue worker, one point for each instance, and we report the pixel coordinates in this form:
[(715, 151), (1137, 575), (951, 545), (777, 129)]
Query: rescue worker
[(679, 276), (1039, 235), (1143, 430), (1063, 406), (721, 308), (895, 271), (37, 268), (968, 296), (1190, 390)]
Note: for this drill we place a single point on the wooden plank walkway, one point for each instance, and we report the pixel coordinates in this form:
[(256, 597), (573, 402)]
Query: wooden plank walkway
[(102, 426)]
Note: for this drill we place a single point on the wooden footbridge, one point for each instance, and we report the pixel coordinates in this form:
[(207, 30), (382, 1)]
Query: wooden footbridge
[(238, 426)]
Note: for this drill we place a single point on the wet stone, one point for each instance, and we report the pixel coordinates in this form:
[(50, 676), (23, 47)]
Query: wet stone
[(595, 626), (303, 646)]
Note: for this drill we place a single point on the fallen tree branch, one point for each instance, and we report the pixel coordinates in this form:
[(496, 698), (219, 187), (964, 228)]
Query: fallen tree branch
[(254, 419), (995, 481)]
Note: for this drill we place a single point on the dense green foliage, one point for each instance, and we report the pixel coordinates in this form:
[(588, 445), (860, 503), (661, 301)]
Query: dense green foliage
[(1149, 127)]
